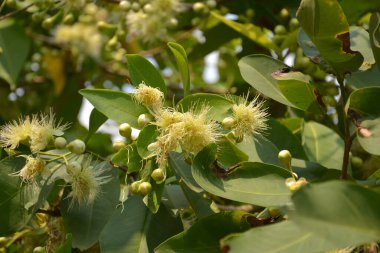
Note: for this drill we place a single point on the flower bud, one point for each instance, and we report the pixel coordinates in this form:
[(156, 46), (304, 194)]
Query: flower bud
[(125, 5), (134, 187), (158, 175), (153, 146), (228, 123), (293, 24), (117, 145), (273, 212), (125, 130), (148, 8), (198, 7), (60, 143), (73, 167), (145, 188), (143, 120), (77, 147), (280, 30), (285, 158)]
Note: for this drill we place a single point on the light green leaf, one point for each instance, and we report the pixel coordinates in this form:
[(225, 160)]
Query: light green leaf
[(254, 183), (363, 79), (142, 70), (66, 246), (86, 223), (360, 42), (136, 229), (322, 145), (354, 9), (363, 102), (128, 157), (219, 106), (96, 120), (204, 235), (183, 65), (15, 45), (326, 25), (116, 105), (374, 35), (147, 136), (317, 206)]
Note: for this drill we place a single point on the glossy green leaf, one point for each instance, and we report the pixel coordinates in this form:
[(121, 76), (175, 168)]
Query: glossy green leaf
[(147, 136), (354, 9), (229, 154), (322, 145), (283, 138), (204, 235), (138, 230), (174, 197), (313, 171), (128, 157), (254, 183), (374, 34), (15, 46), (283, 237), (96, 120), (197, 201), (326, 25), (116, 105), (13, 214), (153, 199), (86, 223), (255, 33), (363, 102), (142, 70), (219, 106), (317, 206), (183, 66), (183, 170)]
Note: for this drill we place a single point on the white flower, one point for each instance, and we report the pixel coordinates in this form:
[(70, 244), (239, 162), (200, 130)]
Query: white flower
[(149, 96), (32, 168), (15, 132)]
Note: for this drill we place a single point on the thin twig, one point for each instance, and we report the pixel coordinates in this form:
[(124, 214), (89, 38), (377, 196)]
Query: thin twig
[(15, 12)]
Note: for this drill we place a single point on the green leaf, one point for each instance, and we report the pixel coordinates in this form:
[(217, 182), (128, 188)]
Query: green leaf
[(147, 136), (183, 170), (257, 34), (259, 149), (229, 154), (153, 199), (254, 183), (66, 246), (363, 79), (183, 66), (86, 223), (313, 171), (317, 207), (136, 229), (220, 107), (204, 235), (13, 214), (15, 45), (360, 42), (283, 138), (326, 25), (142, 70), (363, 102), (96, 120), (323, 145), (116, 105), (374, 34), (354, 10), (282, 237), (290, 89)]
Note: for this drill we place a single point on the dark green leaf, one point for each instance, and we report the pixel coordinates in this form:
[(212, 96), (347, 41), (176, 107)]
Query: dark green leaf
[(204, 236), (374, 35), (66, 246), (128, 157), (363, 79), (147, 136), (326, 25), (96, 120), (200, 205), (254, 183), (183, 66), (141, 70), (354, 9), (153, 199), (15, 46), (116, 105)]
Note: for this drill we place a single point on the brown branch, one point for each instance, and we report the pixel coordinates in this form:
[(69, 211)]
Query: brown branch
[(15, 12)]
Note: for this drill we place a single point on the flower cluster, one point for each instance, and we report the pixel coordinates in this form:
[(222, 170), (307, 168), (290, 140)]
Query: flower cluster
[(35, 131)]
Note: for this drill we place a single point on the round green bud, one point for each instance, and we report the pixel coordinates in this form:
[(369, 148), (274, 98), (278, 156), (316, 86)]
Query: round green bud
[(11, 3), (117, 145), (293, 24), (39, 249), (228, 123), (278, 39), (73, 167), (173, 23), (60, 143), (285, 157), (135, 6), (145, 188), (68, 19), (250, 13), (195, 21), (77, 147), (125, 5), (211, 3), (37, 17), (273, 212), (112, 43), (125, 130), (148, 8), (284, 13), (48, 23), (158, 175), (280, 30), (199, 7), (356, 162), (328, 100), (304, 62), (134, 187), (143, 120)]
